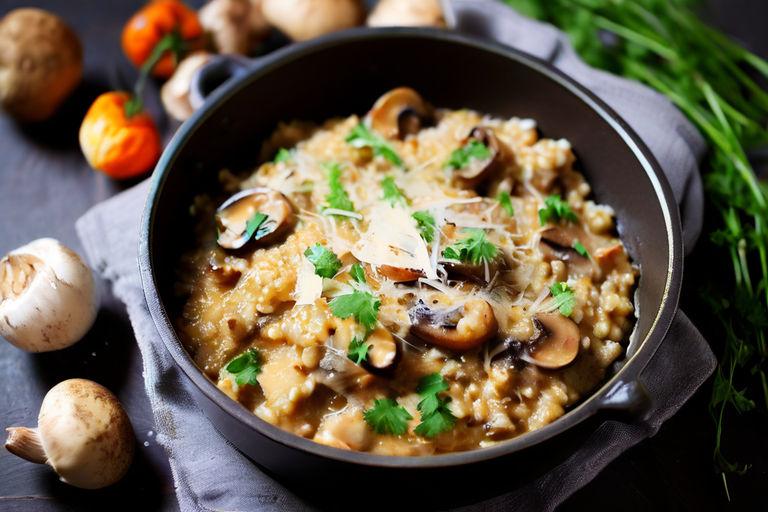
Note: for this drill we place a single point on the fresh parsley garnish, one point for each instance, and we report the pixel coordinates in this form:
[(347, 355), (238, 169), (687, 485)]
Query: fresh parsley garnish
[(358, 350), (326, 263), (357, 273), (338, 197), (472, 150), (426, 223), (564, 299), (362, 305), (390, 192), (283, 155), (387, 417), (581, 249), (506, 203), (257, 225), (362, 137), (472, 249), (436, 417), (556, 209), (246, 367)]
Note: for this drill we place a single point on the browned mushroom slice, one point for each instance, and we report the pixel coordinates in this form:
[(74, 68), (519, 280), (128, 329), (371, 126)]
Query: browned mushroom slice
[(557, 244), (398, 113), (259, 214), (477, 171), (399, 275), (557, 344), (456, 327), (383, 352), (475, 273)]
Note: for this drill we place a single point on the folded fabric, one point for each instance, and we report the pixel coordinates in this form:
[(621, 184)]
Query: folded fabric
[(205, 465)]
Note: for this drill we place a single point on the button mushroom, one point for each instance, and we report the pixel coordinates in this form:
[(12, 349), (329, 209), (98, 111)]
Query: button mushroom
[(41, 62), (477, 171), (259, 214), (399, 112), (557, 344), (304, 19), (557, 243), (83, 433), (407, 13), (48, 299), (234, 26), (383, 352), (175, 92), (460, 328)]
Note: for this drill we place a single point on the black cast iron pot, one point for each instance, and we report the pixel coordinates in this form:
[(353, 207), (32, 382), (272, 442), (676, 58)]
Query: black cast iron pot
[(342, 74)]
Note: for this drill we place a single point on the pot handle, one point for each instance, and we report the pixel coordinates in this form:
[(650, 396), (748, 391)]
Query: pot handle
[(214, 73), (632, 398)]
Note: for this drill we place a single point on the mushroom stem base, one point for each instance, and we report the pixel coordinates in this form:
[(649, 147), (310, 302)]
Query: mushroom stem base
[(25, 443)]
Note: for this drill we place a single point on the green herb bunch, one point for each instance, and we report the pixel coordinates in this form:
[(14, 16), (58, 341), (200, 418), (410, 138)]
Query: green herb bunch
[(662, 43)]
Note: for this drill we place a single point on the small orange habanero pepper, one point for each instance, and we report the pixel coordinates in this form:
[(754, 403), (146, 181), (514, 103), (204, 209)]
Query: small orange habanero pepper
[(116, 144), (152, 23)]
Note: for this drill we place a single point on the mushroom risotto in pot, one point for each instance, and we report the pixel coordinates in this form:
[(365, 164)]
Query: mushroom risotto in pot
[(413, 282)]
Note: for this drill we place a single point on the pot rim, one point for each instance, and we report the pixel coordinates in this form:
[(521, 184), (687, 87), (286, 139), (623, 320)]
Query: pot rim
[(628, 373)]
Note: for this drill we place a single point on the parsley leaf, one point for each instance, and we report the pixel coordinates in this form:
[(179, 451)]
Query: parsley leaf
[(283, 155), (362, 305), (358, 274), (326, 263), (362, 137), (257, 225), (436, 417), (557, 210), (246, 367), (338, 197), (564, 298), (358, 350), (474, 248), (391, 193), (581, 249), (387, 417), (473, 149), (506, 203), (426, 223)]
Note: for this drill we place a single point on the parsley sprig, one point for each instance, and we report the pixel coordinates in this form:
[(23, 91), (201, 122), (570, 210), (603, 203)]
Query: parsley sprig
[(337, 198), (563, 298), (472, 150), (283, 155), (361, 305), (556, 209), (474, 248), (358, 350), (257, 226), (436, 417), (506, 203), (362, 137), (387, 417), (390, 192), (326, 263), (246, 367), (426, 224), (579, 248)]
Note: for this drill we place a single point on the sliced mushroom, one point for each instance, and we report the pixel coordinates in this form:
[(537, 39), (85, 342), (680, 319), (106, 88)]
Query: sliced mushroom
[(399, 275), (476, 273), (399, 112), (233, 217), (478, 171), (557, 344), (383, 352), (557, 244), (459, 328)]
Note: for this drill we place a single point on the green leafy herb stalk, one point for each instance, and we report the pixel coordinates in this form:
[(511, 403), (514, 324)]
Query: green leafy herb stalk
[(713, 81)]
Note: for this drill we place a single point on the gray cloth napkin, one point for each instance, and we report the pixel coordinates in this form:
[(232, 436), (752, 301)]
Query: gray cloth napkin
[(205, 465)]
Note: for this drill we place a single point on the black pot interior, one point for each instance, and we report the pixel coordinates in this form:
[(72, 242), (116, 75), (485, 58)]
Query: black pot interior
[(332, 78)]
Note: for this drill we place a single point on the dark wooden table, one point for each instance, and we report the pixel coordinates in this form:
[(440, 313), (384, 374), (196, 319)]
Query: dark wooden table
[(45, 185)]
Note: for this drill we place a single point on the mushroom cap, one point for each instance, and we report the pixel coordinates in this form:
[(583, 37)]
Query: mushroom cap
[(557, 346), (235, 26), (557, 243), (398, 112), (383, 352), (48, 298), (175, 92), (459, 328), (305, 19), (233, 216), (86, 434), (407, 13), (41, 63), (478, 171)]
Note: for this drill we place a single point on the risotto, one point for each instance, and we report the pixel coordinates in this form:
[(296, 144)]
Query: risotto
[(413, 282)]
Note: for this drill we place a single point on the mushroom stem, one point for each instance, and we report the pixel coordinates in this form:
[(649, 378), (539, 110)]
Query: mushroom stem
[(25, 443)]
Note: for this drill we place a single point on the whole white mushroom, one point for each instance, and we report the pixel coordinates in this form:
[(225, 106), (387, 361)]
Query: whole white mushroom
[(83, 433), (48, 298), (304, 19), (175, 92), (235, 26), (407, 13)]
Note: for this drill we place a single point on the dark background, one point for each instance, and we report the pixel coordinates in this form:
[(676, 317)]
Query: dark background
[(45, 185)]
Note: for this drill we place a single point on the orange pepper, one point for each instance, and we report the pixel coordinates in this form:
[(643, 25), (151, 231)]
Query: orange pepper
[(148, 26), (117, 145)]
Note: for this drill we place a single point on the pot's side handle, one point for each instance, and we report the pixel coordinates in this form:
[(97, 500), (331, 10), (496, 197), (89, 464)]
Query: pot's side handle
[(632, 398), (214, 73)]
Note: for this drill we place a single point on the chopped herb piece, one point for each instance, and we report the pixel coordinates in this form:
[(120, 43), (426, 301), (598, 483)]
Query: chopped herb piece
[(326, 263), (556, 209), (581, 249), (338, 197), (257, 225), (506, 203), (387, 417), (563, 296), (436, 417), (391, 193), (358, 274), (283, 155), (473, 248), (358, 350), (246, 367), (362, 305), (362, 137), (426, 224), (472, 150)]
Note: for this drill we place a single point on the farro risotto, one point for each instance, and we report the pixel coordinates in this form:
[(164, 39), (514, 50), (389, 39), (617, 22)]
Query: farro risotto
[(414, 282)]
